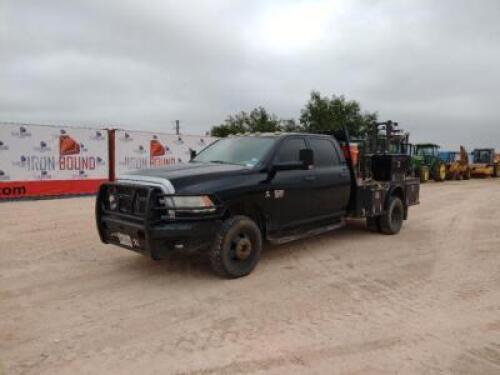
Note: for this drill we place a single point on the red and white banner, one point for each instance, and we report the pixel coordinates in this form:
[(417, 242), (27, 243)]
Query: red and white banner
[(139, 150), (38, 160)]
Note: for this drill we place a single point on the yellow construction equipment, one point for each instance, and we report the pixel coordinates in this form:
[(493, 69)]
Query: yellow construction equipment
[(485, 163), (457, 164)]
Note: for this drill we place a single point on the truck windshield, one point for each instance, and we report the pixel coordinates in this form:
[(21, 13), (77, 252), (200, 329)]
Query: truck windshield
[(247, 151)]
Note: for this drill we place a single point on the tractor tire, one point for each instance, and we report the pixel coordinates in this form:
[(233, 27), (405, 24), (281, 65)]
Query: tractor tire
[(424, 174), (467, 174), (392, 221), (439, 172), (373, 224), (237, 247), (496, 171)]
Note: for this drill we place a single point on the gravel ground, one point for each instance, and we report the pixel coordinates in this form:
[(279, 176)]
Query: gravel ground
[(348, 302)]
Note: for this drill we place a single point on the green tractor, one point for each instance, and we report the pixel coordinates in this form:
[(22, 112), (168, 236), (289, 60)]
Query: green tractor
[(426, 162)]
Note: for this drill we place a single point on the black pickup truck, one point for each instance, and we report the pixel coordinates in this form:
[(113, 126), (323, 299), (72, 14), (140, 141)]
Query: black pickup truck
[(241, 191)]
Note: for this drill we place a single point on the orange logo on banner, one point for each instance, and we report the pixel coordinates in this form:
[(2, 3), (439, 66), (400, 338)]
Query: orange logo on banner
[(68, 146), (156, 148)]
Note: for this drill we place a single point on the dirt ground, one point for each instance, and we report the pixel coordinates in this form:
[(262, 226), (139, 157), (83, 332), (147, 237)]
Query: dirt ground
[(349, 302)]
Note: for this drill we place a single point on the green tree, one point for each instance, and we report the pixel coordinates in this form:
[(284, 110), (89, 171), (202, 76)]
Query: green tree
[(258, 120), (290, 125), (233, 124), (322, 113)]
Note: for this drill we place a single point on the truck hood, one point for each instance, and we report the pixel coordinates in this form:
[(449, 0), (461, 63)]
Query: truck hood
[(178, 177)]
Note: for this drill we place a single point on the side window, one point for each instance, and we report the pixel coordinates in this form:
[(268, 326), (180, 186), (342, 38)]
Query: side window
[(325, 154), (289, 150)]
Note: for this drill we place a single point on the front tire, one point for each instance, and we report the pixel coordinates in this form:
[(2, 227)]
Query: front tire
[(439, 172), (237, 247), (424, 174), (392, 221)]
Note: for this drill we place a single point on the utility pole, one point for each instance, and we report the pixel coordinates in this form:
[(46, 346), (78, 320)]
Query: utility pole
[(177, 127)]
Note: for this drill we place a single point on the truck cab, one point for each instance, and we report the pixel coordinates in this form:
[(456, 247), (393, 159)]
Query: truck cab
[(240, 191), (485, 162)]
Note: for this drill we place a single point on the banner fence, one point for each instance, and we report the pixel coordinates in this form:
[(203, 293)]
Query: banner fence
[(46, 160), (139, 150)]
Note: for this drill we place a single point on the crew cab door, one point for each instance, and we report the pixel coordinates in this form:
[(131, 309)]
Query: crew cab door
[(332, 186), (289, 194)]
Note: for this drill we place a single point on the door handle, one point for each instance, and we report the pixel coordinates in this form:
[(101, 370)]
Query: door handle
[(310, 178)]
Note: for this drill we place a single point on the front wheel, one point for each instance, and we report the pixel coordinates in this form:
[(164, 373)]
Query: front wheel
[(392, 221), (237, 247), (439, 173), (424, 174)]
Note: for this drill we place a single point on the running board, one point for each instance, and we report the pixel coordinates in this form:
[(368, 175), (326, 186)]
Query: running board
[(305, 234)]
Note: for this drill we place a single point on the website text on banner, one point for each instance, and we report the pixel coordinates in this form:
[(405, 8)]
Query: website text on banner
[(39, 160), (139, 150)]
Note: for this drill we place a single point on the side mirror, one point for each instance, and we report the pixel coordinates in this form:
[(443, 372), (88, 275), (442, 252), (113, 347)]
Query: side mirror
[(306, 156), (192, 153)]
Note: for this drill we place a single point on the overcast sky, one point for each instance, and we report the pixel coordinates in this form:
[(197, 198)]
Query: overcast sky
[(434, 66)]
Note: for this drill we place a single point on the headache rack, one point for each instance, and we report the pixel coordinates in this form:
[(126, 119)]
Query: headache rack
[(370, 165)]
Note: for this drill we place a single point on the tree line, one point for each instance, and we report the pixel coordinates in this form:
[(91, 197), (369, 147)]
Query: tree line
[(320, 113)]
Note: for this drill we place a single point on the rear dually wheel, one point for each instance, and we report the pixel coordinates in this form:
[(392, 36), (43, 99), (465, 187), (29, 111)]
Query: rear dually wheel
[(392, 221)]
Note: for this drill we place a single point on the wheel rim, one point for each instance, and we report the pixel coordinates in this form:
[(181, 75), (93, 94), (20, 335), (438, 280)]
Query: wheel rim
[(241, 247)]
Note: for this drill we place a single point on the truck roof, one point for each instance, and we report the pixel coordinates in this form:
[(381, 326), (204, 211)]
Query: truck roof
[(484, 149), (276, 134)]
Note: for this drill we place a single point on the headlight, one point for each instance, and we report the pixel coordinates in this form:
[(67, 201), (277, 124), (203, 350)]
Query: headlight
[(201, 203)]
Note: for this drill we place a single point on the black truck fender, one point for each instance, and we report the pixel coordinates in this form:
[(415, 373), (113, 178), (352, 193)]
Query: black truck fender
[(250, 209)]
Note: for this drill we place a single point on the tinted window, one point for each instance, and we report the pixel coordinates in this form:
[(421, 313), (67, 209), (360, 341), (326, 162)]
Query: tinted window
[(482, 156), (289, 150), (238, 150), (325, 154)]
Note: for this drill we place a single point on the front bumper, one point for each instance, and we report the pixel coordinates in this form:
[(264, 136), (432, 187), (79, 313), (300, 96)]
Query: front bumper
[(159, 239), (152, 237)]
